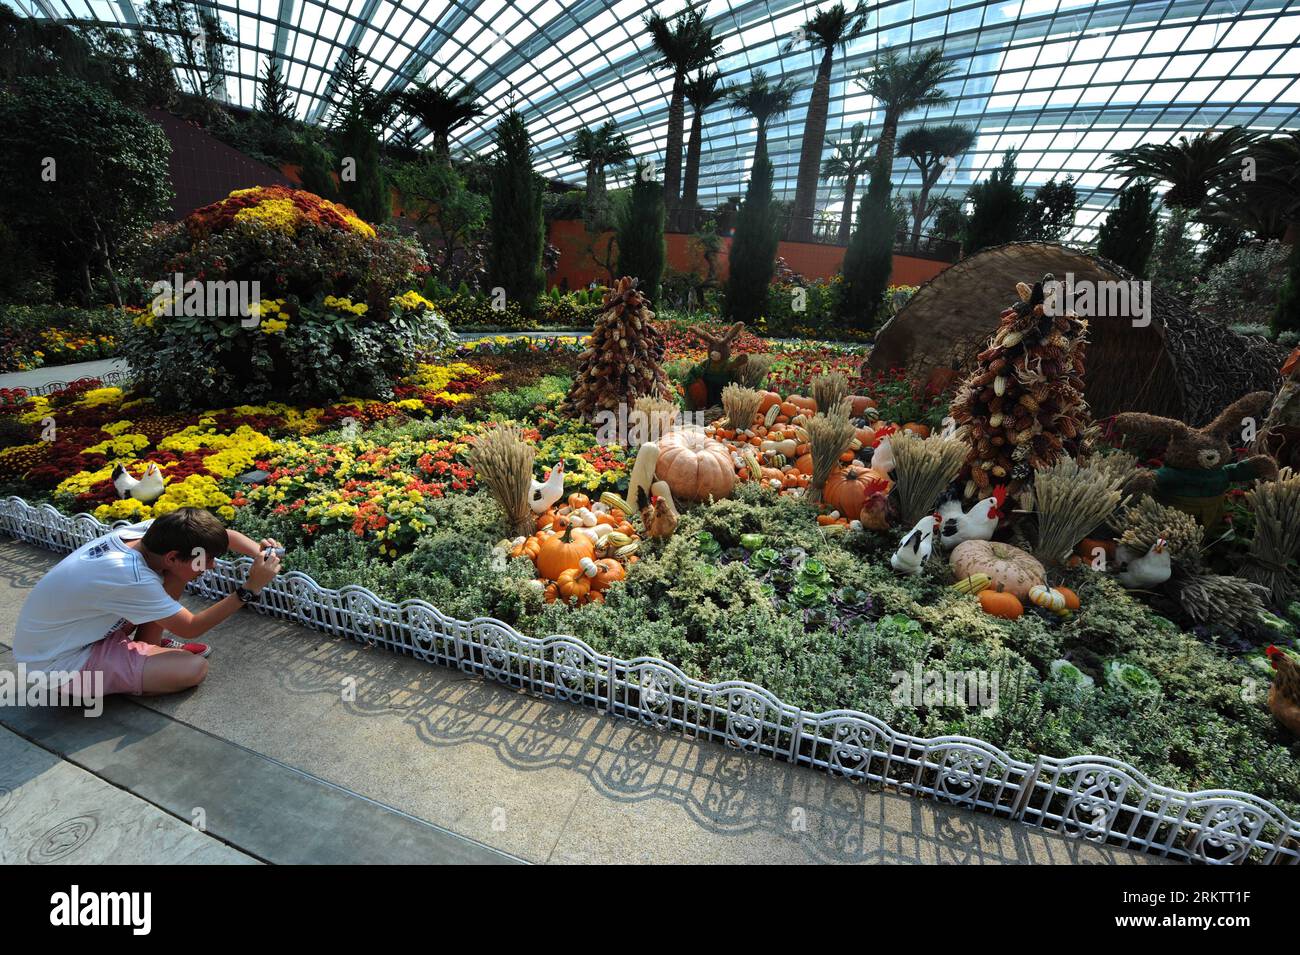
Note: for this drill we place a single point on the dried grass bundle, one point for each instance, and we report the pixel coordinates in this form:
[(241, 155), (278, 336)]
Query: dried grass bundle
[(740, 405), (1277, 537), (829, 436), (1069, 501), (829, 391), (503, 461), (1140, 524), (752, 372), (922, 469), (658, 416), (1217, 598), (1117, 464)]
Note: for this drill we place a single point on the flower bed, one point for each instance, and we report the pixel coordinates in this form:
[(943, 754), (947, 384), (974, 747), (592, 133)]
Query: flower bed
[(383, 494)]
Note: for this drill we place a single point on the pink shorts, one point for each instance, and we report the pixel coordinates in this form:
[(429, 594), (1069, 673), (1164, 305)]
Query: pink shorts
[(121, 660)]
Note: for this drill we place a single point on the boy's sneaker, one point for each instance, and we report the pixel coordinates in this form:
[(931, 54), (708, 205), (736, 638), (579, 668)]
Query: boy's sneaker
[(198, 649)]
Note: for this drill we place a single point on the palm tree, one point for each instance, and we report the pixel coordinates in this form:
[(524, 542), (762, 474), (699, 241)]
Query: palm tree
[(1267, 204), (765, 101), (441, 109), (596, 149), (1193, 169), (904, 86), (931, 149), (684, 44), (849, 159), (826, 32), (704, 91)]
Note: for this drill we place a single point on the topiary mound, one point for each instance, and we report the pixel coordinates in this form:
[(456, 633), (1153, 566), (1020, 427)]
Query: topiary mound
[(277, 294)]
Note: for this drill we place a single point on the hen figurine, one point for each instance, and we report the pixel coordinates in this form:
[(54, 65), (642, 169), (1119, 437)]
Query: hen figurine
[(146, 489), (977, 524), (546, 493), (1146, 571), (1284, 694), (658, 518), (916, 547)]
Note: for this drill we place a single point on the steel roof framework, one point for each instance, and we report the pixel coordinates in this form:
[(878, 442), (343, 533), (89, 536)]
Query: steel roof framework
[(1065, 81)]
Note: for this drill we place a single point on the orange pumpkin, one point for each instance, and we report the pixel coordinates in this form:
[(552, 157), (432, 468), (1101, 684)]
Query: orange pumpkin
[(562, 552), (608, 570), (770, 398), (577, 500), (858, 404), (788, 410), (847, 489), (1071, 598), (573, 584), (695, 466), (867, 436), (920, 430), (999, 603), (805, 405), (803, 463)]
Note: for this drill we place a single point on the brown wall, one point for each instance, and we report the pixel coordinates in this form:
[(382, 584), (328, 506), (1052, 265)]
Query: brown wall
[(578, 253)]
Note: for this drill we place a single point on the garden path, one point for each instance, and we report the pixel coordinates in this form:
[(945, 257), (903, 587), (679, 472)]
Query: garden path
[(302, 747)]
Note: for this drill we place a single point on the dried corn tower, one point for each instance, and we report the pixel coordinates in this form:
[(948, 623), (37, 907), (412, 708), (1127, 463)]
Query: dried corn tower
[(1023, 408), (625, 360)]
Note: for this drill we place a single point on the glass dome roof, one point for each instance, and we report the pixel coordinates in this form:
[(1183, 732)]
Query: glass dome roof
[(1064, 81)]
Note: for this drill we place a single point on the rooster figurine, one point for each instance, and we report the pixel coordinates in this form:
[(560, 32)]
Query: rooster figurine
[(977, 524), (546, 493), (915, 548), (1146, 571), (1284, 695), (882, 452), (146, 489)]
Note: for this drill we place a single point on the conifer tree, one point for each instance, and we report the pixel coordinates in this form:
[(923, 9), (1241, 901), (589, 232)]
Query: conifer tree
[(274, 100), (641, 248), (518, 232), (1129, 233), (753, 250)]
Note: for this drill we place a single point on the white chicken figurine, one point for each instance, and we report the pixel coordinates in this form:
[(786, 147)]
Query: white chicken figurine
[(546, 493), (146, 489), (915, 548), (882, 454), (977, 524), (1146, 571)]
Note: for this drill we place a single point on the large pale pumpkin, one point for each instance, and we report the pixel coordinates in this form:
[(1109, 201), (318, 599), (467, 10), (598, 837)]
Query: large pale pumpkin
[(695, 466), (1016, 570)]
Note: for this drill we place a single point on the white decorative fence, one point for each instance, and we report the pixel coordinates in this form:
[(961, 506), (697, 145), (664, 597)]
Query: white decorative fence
[(1089, 797)]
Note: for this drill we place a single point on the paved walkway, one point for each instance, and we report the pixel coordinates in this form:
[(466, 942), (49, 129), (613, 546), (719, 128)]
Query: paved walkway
[(301, 747)]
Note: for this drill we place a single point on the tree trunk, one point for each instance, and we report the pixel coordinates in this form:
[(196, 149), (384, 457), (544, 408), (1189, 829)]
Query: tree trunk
[(673, 150), (760, 147), (442, 145), (888, 133), (691, 183), (810, 152), (846, 217)]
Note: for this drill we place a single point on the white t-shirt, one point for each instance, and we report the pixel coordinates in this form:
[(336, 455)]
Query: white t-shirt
[(99, 588)]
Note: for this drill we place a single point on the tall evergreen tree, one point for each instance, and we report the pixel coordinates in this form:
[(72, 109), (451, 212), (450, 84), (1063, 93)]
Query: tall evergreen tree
[(1129, 233), (641, 247), (359, 113), (1050, 214), (753, 250), (518, 234), (703, 92), (1000, 208), (273, 97), (318, 168), (869, 259)]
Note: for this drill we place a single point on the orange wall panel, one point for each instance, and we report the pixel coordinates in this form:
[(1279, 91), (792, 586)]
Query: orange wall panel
[(578, 252)]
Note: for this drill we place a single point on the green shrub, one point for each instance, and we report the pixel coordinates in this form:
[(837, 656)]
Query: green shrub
[(332, 297)]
